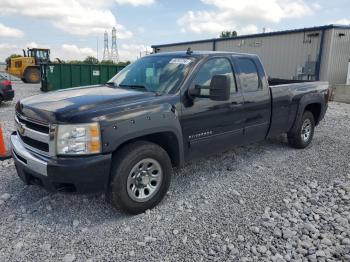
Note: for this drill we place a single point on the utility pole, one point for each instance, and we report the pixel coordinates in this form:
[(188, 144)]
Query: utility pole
[(106, 54), (114, 49)]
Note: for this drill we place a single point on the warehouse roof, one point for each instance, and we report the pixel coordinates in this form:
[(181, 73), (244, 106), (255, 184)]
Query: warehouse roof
[(308, 29)]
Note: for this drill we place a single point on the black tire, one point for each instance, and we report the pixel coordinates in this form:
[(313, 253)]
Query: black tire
[(124, 162), (23, 80), (32, 75), (299, 138)]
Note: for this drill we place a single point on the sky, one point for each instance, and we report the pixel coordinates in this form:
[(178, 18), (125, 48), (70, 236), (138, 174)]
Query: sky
[(73, 29)]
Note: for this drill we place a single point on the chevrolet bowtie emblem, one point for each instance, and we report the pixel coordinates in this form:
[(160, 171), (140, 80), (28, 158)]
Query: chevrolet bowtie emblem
[(21, 129)]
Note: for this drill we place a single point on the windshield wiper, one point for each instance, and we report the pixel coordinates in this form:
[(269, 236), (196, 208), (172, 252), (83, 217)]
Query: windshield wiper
[(111, 84), (135, 86)]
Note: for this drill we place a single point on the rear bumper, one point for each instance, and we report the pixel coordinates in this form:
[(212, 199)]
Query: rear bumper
[(89, 174), (8, 95)]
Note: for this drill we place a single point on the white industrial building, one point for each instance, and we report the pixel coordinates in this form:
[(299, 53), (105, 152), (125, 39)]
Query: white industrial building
[(317, 53)]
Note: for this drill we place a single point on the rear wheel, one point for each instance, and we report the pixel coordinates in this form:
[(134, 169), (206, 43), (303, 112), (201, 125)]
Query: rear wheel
[(302, 137), (32, 75), (140, 177)]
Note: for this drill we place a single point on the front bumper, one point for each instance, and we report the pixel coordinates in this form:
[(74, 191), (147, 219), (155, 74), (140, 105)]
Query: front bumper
[(87, 174), (8, 95)]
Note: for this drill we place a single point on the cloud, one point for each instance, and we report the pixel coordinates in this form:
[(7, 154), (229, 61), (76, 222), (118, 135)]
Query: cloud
[(6, 46), (241, 15), (72, 52), (135, 2), (343, 21), (33, 45), (6, 31), (249, 29), (130, 52), (77, 17)]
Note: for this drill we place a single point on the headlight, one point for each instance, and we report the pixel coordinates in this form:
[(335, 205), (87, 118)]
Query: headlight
[(79, 139)]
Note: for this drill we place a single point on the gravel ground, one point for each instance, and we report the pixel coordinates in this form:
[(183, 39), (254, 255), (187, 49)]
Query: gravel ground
[(262, 202)]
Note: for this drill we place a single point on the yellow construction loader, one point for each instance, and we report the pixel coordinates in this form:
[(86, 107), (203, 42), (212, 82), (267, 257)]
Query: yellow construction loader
[(27, 67)]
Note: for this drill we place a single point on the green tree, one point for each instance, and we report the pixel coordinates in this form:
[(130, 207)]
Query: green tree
[(75, 62), (91, 60), (227, 34), (123, 63), (107, 62)]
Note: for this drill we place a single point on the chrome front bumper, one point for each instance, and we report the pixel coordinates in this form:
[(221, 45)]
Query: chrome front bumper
[(26, 158)]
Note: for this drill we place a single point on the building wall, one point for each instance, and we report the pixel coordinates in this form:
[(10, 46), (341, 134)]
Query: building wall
[(207, 46), (327, 46), (283, 55), (339, 56)]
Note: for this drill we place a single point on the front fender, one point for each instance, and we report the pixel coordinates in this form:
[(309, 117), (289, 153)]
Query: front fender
[(121, 127)]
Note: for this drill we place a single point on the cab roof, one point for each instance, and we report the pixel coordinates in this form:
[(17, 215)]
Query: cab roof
[(200, 54)]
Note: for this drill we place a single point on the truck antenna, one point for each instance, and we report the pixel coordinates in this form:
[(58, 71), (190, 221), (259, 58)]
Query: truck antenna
[(189, 51)]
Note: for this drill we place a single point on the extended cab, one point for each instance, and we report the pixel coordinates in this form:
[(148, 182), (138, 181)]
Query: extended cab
[(124, 137)]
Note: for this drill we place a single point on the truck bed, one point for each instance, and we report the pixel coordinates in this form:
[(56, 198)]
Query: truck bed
[(286, 97)]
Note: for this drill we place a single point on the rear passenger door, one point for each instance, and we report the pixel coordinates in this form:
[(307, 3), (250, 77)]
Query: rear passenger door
[(256, 94)]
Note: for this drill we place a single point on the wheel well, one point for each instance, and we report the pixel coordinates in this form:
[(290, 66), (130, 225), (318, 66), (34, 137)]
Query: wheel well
[(315, 109), (167, 140)]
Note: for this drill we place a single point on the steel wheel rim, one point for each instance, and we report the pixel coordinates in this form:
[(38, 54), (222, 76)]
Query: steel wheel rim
[(144, 180), (306, 130)]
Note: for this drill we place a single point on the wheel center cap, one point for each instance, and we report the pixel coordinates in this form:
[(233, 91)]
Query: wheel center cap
[(145, 180), (142, 179)]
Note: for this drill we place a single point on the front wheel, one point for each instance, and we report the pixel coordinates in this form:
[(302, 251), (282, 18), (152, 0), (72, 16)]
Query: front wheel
[(140, 177), (302, 137), (32, 75)]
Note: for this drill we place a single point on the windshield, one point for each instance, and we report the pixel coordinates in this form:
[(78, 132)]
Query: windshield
[(160, 74)]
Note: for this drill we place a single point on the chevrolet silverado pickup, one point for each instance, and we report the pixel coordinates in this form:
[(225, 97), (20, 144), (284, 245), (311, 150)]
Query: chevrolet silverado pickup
[(124, 137)]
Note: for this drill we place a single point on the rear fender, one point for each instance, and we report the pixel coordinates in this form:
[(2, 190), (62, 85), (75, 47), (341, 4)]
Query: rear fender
[(314, 98)]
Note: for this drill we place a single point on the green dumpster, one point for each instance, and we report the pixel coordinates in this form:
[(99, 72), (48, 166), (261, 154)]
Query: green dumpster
[(61, 76)]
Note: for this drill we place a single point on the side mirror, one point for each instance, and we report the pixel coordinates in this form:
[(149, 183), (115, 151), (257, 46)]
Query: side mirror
[(219, 89)]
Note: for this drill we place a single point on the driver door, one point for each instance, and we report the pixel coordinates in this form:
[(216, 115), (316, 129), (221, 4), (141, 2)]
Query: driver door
[(212, 126)]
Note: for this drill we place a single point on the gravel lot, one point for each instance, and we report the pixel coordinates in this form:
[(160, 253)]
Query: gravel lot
[(262, 202)]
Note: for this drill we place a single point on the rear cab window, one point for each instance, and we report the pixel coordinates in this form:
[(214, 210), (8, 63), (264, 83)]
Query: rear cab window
[(249, 76)]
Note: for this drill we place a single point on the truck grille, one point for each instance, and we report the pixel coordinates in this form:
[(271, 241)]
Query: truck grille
[(35, 144), (36, 136)]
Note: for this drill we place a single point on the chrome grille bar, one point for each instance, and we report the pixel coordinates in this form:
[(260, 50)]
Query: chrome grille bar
[(24, 130), (35, 131)]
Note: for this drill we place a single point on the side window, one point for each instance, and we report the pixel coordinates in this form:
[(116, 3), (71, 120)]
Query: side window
[(249, 75), (215, 66)]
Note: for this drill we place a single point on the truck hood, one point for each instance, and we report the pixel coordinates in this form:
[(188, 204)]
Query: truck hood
[(61, 105)]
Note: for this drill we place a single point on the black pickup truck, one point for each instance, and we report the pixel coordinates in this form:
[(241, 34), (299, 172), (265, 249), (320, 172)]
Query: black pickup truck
[(124, 137)]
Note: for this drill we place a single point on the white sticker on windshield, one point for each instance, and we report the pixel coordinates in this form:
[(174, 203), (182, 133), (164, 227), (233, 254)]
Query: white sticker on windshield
[(182, 61)]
